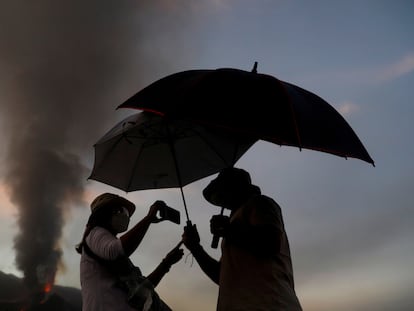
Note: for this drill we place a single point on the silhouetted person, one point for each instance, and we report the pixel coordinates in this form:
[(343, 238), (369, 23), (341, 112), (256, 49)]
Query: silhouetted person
[(108, 277), (255, 268)]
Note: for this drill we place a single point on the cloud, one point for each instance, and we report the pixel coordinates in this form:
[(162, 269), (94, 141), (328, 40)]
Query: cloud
[(399, 68), (362, 75), (347, 108), (70, 66)]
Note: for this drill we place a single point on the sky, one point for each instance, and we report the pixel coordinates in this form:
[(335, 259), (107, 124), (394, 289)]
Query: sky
[(65, 66)]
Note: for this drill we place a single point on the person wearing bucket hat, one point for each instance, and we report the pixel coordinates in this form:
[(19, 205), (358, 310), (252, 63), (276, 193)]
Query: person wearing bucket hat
[(255, 269), (109, 280)]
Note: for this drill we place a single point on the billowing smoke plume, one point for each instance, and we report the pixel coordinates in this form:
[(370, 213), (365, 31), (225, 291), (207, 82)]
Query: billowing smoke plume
[(64, 66)]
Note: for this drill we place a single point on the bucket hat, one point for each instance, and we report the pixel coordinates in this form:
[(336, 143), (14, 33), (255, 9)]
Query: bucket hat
[(231, 177), (107, 200)]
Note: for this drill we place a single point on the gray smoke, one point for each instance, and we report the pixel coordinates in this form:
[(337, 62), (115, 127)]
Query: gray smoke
[(66, 67)]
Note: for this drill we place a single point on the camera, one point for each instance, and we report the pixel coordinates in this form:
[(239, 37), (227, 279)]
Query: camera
[(168, 213)]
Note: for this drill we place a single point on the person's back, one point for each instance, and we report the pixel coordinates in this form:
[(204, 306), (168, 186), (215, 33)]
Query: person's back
[(99, 290), (255, 270), (249, 281)]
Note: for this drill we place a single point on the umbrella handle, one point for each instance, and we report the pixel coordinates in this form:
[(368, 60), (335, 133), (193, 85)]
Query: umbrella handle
[(216, 238)]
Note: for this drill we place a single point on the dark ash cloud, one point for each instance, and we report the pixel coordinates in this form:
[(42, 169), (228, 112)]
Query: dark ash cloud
[(68, 65)]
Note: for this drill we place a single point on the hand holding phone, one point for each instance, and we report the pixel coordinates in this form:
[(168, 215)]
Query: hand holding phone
[(168, 213)]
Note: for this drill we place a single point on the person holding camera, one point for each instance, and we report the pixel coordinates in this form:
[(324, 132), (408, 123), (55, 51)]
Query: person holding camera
[(255, 269), (109, 280)]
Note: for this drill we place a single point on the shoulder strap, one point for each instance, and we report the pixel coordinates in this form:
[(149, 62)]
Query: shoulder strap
[(121, 266)]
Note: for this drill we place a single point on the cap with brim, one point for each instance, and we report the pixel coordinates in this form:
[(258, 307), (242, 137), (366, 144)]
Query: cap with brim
[(107, 200)]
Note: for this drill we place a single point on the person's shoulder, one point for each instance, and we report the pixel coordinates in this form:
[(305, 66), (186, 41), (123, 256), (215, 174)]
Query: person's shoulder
[(264, 210), (264, 201), (100, 230), (100, 233), (266, 206)]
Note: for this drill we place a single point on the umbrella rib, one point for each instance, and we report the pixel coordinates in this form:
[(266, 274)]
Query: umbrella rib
[(134, 167), (106, 153), (211, 146)]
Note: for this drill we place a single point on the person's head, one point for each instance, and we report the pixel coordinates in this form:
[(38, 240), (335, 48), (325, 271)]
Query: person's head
[(112, 212), (231, 188)]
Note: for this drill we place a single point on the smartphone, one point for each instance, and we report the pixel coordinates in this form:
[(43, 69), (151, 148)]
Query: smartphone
[(168, 213)]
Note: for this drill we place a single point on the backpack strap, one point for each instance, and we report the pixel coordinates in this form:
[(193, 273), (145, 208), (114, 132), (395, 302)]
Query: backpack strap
[(120, 267)]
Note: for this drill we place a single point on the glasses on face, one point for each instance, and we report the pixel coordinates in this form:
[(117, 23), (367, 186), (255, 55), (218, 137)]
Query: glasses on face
[(121, 210)]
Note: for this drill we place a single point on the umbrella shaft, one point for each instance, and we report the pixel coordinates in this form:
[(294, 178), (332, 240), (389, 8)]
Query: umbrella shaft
[(185, 204)]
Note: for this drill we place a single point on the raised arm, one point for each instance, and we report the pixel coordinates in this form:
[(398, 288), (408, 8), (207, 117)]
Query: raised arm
[(131, 239)]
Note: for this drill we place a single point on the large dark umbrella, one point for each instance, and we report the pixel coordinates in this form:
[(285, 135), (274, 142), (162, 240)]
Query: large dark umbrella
[(254, 103), (147, 151)]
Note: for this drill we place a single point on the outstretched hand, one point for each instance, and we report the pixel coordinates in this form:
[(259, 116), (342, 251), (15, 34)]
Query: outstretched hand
[(171, 258), (174, 255)]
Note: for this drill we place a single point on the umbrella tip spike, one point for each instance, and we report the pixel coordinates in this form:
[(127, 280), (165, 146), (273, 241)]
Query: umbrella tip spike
[(254, 70)]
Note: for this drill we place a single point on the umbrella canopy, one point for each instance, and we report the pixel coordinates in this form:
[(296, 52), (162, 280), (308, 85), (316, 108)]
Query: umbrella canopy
[(147, 151), (249, 102)]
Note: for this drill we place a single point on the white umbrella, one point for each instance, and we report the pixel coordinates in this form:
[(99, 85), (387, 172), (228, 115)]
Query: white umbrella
[(148, 151)]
